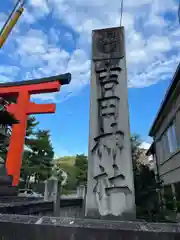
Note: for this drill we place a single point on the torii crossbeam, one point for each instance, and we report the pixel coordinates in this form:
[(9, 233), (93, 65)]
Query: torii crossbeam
[(24, 107)]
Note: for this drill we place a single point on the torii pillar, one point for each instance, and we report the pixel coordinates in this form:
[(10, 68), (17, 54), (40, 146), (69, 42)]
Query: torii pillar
[(21, 109)]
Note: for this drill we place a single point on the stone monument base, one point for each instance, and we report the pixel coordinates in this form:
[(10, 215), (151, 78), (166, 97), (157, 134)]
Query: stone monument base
[(32, 227), (131, 216), (6, 188)]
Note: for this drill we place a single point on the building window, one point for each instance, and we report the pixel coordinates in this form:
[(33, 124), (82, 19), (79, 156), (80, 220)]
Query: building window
[(164, 148), (172, 141), (168, 143)]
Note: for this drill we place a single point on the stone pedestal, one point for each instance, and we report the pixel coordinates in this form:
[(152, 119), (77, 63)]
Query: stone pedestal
[(6, 188), (52, 193), (50, 189), (81, 191), (110, 192)]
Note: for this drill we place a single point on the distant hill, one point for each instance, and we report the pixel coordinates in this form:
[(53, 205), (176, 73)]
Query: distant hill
[(67, 160), (67, 164), (76, 169)]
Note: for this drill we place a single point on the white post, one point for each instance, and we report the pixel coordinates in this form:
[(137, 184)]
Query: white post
[(81, 191)]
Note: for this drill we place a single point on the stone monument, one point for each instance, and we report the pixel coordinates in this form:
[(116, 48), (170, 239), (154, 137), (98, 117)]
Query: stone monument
[(51, 189), (110, 191)]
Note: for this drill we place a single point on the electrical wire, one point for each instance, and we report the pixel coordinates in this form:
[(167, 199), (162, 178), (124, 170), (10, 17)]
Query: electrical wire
[(121, 12), (14, 9)]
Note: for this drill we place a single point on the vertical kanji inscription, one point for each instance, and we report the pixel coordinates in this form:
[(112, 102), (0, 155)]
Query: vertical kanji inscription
[(109, 180)]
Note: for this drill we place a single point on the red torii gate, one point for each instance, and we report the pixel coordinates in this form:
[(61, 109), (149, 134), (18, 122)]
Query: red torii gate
[(21, 109)]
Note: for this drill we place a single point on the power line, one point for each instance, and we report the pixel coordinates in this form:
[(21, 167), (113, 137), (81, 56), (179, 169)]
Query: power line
[(121, 12)]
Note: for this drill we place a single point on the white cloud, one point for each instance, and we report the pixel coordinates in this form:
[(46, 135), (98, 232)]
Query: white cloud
[(145, 145), (8, 73), (164, 6), (54, 35), (28, 17), (4, 78), (39, 8), (68, 36), (40, 4), (45, 96), (150, 44), (32, 41), (45, 59), (9, 70), (158, 44), (3, 18), (157, 71), (152, 41), (136, 4)]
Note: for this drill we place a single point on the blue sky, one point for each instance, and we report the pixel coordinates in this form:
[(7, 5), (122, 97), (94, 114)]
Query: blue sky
[(54, 37)]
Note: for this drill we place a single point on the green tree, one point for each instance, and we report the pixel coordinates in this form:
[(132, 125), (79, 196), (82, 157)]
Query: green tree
[(145, 185), (38, 156), (136, 150), (31, 125), (81, 165), (41, 155), (26, 170), (144, 181)]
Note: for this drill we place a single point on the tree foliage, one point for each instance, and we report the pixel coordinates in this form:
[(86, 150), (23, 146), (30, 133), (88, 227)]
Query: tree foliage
[(38, 156), (136, 150), (144, 179), (37, 161), (145, 185), (76, 168), (81, 165), (31, 124), (68, 166)]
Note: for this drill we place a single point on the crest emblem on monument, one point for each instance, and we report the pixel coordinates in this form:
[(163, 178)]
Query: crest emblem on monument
[(107, 41)]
